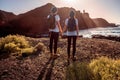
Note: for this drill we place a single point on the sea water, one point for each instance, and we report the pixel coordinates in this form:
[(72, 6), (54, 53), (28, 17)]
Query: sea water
[(113, 31)]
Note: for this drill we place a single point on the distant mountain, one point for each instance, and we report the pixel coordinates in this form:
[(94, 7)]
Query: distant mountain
[(34, 22), (100, 22)]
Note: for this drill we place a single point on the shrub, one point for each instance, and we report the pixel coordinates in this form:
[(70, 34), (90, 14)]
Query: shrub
[(15, 44), (10, 47), (105, 69), (27, 51), (102, 68), (79, 71), (40, 47)]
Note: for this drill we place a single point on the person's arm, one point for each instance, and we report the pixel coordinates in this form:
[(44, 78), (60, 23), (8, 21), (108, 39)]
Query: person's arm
[(59, 26), (58, 23), (64, 29), (65, 26), (77, 28)]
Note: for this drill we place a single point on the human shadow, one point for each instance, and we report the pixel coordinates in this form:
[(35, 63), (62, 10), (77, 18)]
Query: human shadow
[(72, 72), (49, 71), (46, 71), (75, 70)]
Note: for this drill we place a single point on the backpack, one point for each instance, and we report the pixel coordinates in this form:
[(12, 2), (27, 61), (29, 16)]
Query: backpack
[(71, 24), (51, 22)]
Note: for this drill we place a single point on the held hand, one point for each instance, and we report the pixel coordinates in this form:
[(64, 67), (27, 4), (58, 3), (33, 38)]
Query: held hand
[(77, 35), (60, 33)]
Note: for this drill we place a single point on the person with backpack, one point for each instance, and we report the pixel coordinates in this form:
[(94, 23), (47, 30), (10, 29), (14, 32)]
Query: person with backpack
[(71, 25), (53, 21)]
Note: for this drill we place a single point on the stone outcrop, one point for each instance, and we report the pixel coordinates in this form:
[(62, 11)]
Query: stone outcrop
[(110, 37), (6, 16), (100, 22), (5, 27), (88, 21)]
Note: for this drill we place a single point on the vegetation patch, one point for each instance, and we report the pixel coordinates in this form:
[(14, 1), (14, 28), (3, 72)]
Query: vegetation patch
[(105, 69), (15, 45), (40, 47), (79, 71), (102, 68)]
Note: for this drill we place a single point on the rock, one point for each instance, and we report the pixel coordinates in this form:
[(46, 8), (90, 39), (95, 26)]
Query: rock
[(6, 16), (100, 22), (110, 37)]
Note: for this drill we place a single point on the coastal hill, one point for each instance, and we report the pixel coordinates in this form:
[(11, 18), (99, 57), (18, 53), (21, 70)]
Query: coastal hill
[(102, 22), (34, 21), (6, 16)]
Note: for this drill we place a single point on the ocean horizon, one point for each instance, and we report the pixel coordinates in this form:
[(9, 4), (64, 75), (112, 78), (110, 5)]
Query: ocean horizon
[(108, 31)]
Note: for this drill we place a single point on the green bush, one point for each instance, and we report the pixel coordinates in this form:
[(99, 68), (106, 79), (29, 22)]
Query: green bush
[(15, 44), (79, 71), (105, 69)]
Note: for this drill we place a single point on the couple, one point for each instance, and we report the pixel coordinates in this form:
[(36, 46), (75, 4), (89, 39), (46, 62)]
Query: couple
[(71, 25)]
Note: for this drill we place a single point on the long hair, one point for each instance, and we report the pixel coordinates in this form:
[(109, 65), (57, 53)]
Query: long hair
[(71, 21), (72, 17)]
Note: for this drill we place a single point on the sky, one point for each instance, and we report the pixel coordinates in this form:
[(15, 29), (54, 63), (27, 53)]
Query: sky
[(107, 9)]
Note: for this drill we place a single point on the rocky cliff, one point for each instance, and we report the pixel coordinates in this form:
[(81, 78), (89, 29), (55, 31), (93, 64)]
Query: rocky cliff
[(34, 21), (5, 18)]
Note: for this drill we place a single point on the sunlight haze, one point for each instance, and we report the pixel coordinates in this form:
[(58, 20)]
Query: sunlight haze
[(108, 9)]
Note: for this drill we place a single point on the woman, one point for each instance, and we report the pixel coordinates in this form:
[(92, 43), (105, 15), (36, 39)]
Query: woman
[(54, 29), (71, 24)]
